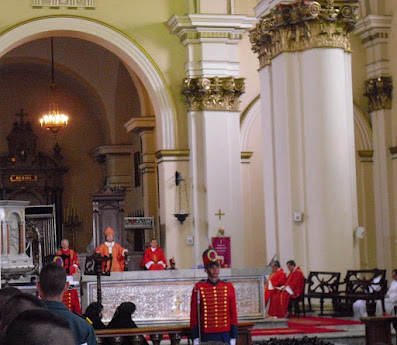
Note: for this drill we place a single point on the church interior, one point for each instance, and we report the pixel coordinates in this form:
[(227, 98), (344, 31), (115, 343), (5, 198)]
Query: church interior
[(188, 107)]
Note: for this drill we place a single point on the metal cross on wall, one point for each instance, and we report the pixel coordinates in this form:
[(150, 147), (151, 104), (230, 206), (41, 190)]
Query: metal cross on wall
[(219, 214)]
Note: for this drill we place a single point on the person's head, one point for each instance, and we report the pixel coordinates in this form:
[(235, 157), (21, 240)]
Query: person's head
[(211, 264), (65, 244), (37, 327), (394, 274), (127, 308), (52, 281), (5, 294), (153, 243), (275, 265), (109, 234), (17, 304), (94, 310), (291, 265)]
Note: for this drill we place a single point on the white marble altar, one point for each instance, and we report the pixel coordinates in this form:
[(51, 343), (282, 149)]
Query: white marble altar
[(163, 297)]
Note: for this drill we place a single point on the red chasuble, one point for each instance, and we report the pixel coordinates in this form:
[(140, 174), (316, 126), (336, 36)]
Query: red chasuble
[(70, 262), (218, 312), (118, 261), (277, 279), (154, 256), (279, 301)]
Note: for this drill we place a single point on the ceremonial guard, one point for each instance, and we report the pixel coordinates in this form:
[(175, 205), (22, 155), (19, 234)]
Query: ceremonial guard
[(113, 250), (71, 300), (69, 258), (216, 319)]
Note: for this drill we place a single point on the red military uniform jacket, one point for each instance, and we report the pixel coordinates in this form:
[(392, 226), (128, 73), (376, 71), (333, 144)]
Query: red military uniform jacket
[(71, 300), (154, 256), (70, 263), (280, 299), (277, 279), (218, 312)]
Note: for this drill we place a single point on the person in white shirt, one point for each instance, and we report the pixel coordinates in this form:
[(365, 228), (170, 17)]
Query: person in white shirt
[(390, 298)]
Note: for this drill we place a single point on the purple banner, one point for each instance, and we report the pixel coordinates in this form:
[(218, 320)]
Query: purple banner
[(222, 246)]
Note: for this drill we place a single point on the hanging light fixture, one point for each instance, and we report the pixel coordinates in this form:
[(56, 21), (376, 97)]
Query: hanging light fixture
[(181, 200), (53, 121)]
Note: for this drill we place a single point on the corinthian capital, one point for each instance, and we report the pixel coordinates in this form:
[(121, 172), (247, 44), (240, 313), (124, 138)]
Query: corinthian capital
[(304, 24), (379, 91), (213, 93)]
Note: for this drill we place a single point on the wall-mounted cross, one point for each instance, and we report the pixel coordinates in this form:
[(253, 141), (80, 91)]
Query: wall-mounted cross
[(219, 214), (21, 115)]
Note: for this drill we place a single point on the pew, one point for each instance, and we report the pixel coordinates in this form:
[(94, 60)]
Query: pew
[(175, 333)]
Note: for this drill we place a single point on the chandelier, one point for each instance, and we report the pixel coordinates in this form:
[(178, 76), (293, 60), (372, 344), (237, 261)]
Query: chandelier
[(53, 121)]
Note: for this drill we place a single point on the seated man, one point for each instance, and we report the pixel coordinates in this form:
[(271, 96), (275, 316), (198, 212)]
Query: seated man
[(390, 298), (292, 288), (116, 251), (360, 306), (276, 279), (154, 258)]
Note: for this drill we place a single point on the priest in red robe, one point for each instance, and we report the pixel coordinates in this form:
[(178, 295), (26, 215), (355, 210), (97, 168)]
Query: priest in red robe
[(113, 249), (69, 258), (293, 288), (276, 280), (154, 258)]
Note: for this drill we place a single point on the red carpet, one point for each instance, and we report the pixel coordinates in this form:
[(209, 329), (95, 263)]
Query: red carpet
[(305, 325), (311, 321)]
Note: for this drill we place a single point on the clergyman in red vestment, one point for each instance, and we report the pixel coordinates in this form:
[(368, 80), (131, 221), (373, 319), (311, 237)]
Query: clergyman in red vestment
[(154, 258), (276, 279), (69, 257), (293, 288), (112, 248)]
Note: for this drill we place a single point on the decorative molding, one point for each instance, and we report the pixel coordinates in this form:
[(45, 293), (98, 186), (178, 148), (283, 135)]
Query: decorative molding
[(246, 156), (220, 94), (366, 155), (141, 123), (302, 25), (172, 155), (379, 93), (88, 4), (393, 151)]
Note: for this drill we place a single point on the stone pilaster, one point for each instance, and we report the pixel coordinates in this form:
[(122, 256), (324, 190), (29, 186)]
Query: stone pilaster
[(212, 88), (374, 31)]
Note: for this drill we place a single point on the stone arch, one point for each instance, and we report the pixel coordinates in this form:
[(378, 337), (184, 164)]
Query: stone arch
[(124, 47)]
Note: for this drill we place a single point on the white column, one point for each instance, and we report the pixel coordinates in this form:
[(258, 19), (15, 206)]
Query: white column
[(309, 162), (212, 92)]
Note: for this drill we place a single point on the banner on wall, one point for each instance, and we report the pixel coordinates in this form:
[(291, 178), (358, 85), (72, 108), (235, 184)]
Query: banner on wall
[(222, 247)]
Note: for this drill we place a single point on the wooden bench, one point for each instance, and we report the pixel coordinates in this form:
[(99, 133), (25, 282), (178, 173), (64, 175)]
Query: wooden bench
[(175, 333), (322, 285), (368, 285)]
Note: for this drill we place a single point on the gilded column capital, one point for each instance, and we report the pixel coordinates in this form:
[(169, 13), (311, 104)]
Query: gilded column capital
[(379, 93), (214, 93), (302, 25)]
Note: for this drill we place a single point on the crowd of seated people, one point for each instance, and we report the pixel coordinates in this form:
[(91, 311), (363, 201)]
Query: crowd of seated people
[(46, 319)]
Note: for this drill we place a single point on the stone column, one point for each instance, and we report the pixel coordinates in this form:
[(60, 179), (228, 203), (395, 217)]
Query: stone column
[(212, 89), (144, 127), (374, 32), (309, 162)]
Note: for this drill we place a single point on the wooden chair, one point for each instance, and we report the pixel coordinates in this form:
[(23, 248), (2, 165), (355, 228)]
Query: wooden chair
[(294, 305)]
